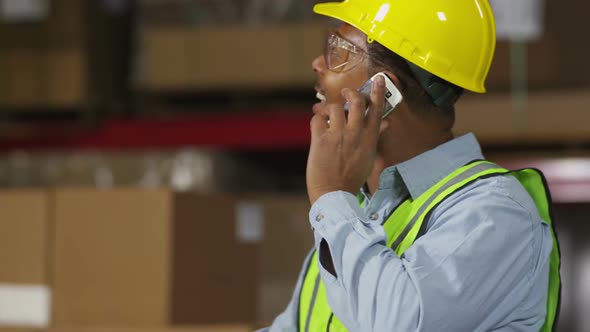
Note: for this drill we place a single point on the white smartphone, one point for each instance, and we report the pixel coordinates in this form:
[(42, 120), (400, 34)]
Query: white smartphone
[(392, 95)]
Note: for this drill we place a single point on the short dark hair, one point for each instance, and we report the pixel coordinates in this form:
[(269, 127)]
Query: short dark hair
[(414, 94)]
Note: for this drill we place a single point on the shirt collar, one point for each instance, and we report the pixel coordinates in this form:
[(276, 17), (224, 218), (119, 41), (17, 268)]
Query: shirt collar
[(425, 170)]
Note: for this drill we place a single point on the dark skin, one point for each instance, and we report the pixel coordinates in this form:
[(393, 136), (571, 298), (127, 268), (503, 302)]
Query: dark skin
[(356, 149)]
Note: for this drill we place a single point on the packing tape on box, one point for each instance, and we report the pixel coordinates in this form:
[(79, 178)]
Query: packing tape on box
[(24, 305)]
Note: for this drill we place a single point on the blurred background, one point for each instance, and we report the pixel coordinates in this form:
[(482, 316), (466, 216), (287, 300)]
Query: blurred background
[(153, 152)]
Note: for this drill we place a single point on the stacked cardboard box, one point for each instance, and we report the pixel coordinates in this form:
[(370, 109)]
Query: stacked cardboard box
[(149, 259), (83, 259), (211, 57), (44, 63), (286, 240), (202, 328), (25, 239)]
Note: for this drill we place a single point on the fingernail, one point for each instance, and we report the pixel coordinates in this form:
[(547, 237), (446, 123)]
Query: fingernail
[(380, 81)]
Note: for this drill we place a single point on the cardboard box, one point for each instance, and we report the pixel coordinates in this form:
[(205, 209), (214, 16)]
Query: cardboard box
[(548, 118), (206, 57), (67, 73), (199, 328), (24, 230), (287, 239), (43, 62), (556, 60), (21, 78), (273, 298), (53, 77), (140, 258), (64, 27), (541, 66), (287, 236)]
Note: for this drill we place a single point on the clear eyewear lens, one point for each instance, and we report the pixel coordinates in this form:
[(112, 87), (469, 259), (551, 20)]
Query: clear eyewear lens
[(339, 52)]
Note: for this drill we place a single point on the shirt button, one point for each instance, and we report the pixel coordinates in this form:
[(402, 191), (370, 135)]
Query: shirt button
[(374, 216), (319, 217)]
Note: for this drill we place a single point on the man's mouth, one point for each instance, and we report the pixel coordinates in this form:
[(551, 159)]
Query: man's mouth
[(320, 96), (319, 92)]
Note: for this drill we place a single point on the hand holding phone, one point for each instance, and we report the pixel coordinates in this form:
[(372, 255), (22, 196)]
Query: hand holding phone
[(342, 156)]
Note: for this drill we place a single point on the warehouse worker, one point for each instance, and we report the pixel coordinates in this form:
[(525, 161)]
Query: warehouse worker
[(438, 239)]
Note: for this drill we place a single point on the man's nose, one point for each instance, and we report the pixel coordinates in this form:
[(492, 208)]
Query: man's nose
[(318, 64)]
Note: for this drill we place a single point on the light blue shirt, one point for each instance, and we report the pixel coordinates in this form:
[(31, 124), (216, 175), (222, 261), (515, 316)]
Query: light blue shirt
[(483, 264)]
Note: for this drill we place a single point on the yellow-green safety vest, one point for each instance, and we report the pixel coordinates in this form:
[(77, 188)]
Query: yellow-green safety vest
[(409, 221)]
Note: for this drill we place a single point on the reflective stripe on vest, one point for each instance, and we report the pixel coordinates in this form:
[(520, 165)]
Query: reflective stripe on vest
[(404, 226)]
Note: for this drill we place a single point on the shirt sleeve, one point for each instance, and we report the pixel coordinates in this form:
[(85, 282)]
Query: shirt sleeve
[(471, 270)]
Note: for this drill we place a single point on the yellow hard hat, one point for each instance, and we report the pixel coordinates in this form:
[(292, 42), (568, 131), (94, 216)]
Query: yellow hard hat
[(453, 39)]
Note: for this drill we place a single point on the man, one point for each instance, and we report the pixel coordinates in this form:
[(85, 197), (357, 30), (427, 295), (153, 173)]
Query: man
[(441, 241)]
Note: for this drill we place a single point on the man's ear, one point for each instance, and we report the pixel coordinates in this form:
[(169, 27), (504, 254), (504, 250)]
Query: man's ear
[(393, 78)]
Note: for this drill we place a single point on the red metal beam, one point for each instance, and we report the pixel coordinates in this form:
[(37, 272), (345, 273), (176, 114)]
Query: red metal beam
[(263, 130)]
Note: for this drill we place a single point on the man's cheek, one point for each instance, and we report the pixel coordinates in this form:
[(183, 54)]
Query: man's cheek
[(336, 96)]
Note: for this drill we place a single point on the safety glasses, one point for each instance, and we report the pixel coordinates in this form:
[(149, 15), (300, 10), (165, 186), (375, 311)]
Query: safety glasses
[(340, 54)]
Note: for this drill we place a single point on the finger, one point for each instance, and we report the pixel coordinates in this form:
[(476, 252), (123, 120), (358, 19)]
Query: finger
[(337, 117), (356, 110), (318, 125), (377, 104), (321, 109)]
